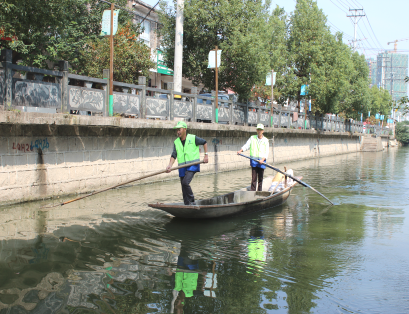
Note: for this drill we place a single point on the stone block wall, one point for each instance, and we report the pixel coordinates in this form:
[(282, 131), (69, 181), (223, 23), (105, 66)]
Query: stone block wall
[(44, 156)]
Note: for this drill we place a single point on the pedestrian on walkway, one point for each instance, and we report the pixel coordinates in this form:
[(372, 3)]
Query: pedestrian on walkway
[(186, 150), (259, 147)]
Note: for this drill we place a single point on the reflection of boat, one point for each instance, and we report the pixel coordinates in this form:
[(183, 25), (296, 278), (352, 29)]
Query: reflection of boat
[(237, 202)]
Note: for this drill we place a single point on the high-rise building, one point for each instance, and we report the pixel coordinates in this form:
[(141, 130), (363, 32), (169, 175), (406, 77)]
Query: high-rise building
[(372, 71), (392, 68)]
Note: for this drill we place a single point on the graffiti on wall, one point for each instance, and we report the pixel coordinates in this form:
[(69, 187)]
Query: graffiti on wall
[(81, 98), (36, 94), (30, 147)]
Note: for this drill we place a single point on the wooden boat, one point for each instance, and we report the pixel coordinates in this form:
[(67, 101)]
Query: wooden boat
[(237, 202)]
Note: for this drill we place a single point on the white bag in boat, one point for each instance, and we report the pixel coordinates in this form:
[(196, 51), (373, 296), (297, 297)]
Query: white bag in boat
[(278, 177)]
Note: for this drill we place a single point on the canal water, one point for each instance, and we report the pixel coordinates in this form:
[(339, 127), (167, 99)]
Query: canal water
[(111, 253)]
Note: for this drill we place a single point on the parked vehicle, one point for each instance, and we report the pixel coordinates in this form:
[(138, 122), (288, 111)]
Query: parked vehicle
[(208, 102)]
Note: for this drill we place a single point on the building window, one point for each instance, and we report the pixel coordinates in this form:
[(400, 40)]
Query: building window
[(146, 32)]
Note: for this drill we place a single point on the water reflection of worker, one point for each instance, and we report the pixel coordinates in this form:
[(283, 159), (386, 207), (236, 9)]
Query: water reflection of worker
[(256, 250), (186, 281)]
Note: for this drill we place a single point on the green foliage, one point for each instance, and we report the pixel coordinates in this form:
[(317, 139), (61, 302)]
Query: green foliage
[(380, 101), (299, 47), (47, 31), (239, 28), (308, 35), (132, 57), (402, 132)]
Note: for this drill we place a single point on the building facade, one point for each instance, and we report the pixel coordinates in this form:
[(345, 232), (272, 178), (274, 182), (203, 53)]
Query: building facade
[(392, 68), (372, 71), (148, 17)]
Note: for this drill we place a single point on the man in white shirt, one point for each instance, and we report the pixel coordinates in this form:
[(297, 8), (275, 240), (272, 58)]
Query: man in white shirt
[(259, 147)]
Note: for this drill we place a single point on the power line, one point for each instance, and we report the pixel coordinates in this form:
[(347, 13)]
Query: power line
[(337, 6), (360, 5), (369, 36), (373, 32), (336, 28), (353, 4), (341, 3)]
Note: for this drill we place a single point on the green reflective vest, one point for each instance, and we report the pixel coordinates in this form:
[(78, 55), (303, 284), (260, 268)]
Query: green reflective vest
[(186, 282), (257, 149), (188, 153), (256, 250)]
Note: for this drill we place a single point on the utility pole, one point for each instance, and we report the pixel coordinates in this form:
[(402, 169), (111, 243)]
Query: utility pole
[(217, 89), (177, 71), (111, 65), (356, 16)]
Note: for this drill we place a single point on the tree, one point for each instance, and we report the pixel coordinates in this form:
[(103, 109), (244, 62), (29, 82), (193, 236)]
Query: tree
[(132, 57), (52, 30), (357, 97), (403, 102), (239, 28), (308, 34), (333, 81), (402, 132)]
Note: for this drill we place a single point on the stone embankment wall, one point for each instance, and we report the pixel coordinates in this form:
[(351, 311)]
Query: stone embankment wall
[(48, 155)]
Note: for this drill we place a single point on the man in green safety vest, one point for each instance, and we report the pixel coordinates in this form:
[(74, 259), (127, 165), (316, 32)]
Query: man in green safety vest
[(186, 150), (258, 145)]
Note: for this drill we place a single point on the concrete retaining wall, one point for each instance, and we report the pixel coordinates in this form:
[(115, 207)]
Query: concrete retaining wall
[(44, 155)]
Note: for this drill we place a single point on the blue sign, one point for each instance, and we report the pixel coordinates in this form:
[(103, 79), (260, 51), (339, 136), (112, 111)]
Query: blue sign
[(304, 90), (309, 105), (382, 117), (369, 113), (377, 116)]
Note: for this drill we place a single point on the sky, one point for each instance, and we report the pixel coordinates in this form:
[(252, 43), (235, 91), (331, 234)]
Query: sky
[(384, 22)]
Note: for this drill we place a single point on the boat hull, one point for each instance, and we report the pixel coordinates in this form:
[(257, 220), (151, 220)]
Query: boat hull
[(224, 210)]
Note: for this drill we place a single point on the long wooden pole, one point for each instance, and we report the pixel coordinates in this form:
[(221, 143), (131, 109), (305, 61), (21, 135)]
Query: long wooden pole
[(272, 98), (286, 174), (111, 65), (127, 182)]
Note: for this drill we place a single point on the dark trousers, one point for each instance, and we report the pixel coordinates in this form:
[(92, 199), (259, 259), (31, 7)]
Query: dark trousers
[(188, 197), (257, 172)]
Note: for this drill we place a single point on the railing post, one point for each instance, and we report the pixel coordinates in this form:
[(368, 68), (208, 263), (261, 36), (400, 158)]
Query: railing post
[(105, 76), (63, 67), (258, 114), (142, 81), (194, 104), (246, 116), (289, 120), (7, 57), (171, 101), (230, 102)]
